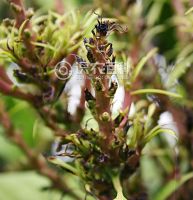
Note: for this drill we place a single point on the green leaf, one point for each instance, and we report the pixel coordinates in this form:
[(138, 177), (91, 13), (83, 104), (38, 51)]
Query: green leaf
[(6, 54), (22, 186), (153, 179), (23, 117), (42, 135), (152, 32), (63, 164), (155, 12), (148, 121), (22, 28), (48, 46), (189, 11), (158, 91), (179, 70), (141, 63), (89, 121), (29, 185), (8, 151), (156, 131), (151, 110), (172, 186)]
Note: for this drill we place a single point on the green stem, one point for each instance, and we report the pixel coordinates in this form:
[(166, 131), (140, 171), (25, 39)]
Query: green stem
[(118, 188)]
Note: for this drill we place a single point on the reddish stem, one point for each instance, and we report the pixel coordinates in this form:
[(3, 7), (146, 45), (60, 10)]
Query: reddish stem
[(3, 75), (179, 9), (20, 15), (36, 160), (59, 6), (8, 89), (126, 105), (81, 107)]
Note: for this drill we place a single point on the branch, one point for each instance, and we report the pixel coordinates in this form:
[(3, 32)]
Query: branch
[(81, 107), (19, 11), (126, 106), (37, 161), (59, 6), (4, 76), (9, 90), (49, 121), (179, 10), (20, 16)]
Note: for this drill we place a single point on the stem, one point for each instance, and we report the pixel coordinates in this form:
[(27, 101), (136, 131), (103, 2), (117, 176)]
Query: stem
[(126, 106), (37, 161), (103, 104), (179, 9), (105, 127), (81, 107), (4, 76), (46, 116), (19, 11), (59, 6), (20, 17), (118, 188), (8, 89)]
